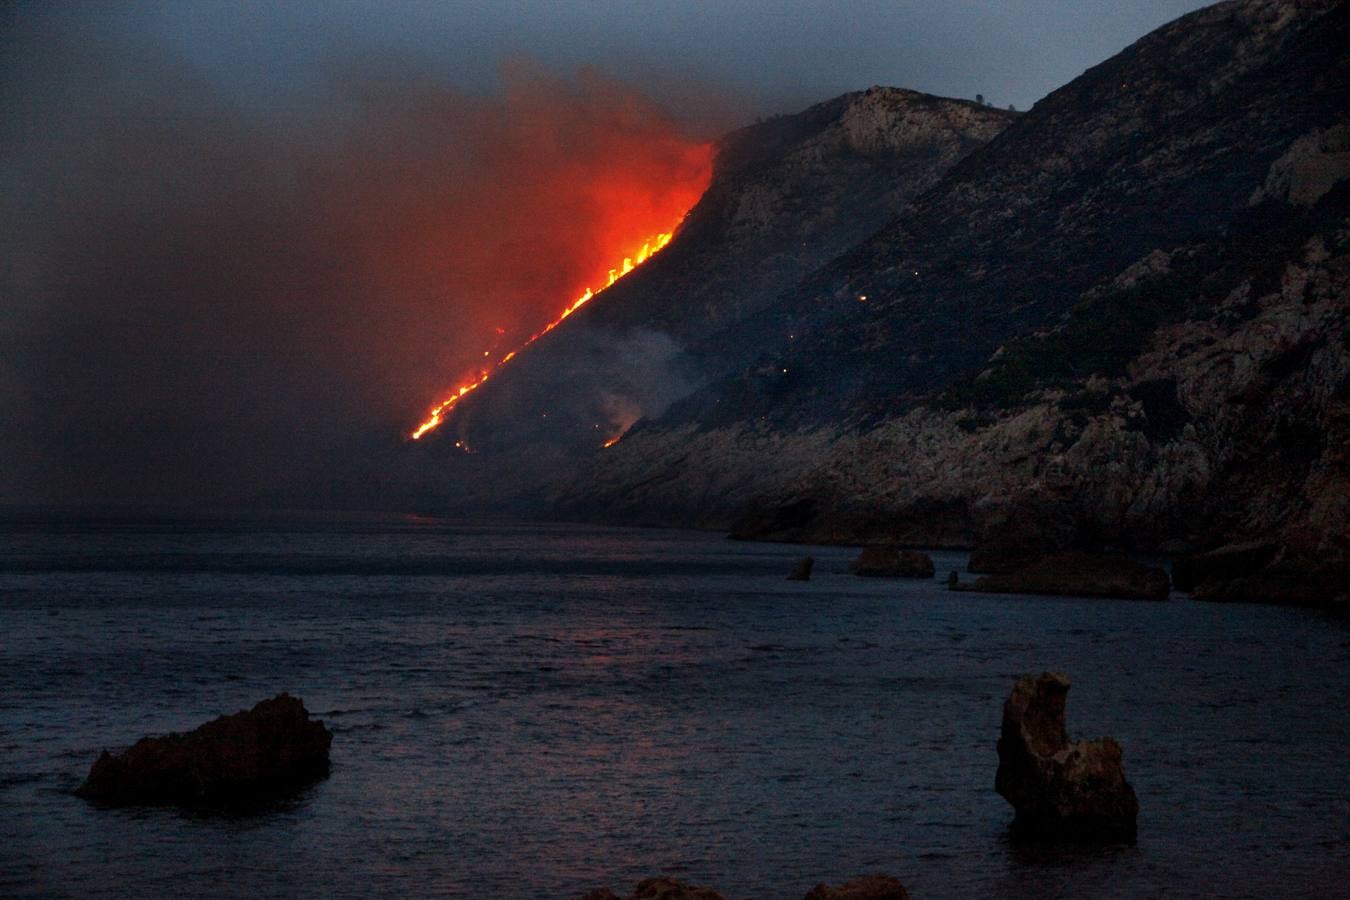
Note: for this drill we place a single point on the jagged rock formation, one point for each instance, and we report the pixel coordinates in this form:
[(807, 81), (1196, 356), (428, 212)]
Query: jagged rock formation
[(1078, 574), (236, 761), (1057, 787), (1123, 320), (892, 562), (1313, 165)]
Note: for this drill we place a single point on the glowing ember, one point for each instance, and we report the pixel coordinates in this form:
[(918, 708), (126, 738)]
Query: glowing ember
[(442, 410)]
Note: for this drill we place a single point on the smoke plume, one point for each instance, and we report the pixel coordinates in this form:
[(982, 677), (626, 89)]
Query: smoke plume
[(205, 305)]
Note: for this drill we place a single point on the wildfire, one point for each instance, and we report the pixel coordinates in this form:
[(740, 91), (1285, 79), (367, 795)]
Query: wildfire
[(441, 411)]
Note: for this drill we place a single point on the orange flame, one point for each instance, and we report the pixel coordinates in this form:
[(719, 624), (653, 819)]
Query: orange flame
[(441, 411)]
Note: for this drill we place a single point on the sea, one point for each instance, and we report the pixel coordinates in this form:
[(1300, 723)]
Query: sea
[(538, 710)]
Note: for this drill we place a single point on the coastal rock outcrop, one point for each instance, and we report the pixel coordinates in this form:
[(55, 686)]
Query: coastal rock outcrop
[(1060, 788), (241, 760), (1078, 574), (868, 887), (892, 562), (1288, 582), (1263, 572)]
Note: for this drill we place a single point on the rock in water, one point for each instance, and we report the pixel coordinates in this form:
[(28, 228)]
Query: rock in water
[(892, 562), (869, 887), (802, 570), (1057, 787), (243, 760), (1079, 574)]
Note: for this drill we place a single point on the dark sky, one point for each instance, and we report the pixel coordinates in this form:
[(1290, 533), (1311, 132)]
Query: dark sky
[(243, 245), (774, 56)]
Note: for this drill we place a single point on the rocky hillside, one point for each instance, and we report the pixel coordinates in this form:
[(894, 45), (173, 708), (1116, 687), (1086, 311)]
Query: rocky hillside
[(791, 194), (788, 195), (1161, 145), (1123, 320), (1224, 415)]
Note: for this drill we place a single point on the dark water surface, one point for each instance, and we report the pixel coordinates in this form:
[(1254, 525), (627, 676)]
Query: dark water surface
[(533, 711)]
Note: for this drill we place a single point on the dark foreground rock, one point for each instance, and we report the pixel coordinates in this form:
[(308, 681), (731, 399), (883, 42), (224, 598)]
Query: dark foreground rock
[(1060, 788), (892, 562), (868, 887), (247, 759), (1078, 574), (802, 570)]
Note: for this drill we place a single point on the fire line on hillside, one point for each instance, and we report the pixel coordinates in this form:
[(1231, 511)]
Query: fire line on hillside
[(441, 411)]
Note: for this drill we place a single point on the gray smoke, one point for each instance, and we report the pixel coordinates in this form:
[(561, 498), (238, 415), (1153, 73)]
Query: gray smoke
[(209, 305)]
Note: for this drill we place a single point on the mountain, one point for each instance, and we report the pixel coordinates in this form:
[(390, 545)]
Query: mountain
[(1124, 316), (787, 195), (1121, 320)]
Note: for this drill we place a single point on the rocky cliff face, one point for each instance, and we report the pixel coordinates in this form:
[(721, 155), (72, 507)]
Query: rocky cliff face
[(1224, 415), (1123, 319)]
